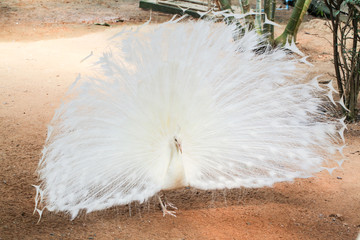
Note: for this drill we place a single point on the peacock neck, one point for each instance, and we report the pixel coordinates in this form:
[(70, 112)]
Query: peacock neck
[(175, 174)]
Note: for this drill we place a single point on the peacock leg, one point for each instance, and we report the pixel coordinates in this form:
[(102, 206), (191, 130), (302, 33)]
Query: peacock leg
[(169, 204), (163, 207)]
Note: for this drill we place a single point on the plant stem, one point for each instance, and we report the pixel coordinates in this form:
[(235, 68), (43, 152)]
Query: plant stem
[(269, 10), (225, 4), (335, 26), (289, 31), (303, 12), (258, 24)]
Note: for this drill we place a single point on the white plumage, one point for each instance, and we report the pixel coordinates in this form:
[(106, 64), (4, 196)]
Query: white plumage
[(182, 104)]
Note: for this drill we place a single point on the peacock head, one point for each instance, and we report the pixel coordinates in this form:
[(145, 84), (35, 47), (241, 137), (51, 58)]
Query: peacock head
[(177, 143)]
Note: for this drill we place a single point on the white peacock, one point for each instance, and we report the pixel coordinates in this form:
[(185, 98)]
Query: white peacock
[(195, 109)]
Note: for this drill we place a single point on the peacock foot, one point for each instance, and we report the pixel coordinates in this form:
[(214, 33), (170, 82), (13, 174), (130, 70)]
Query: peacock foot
[(164, 207), (169, 204)]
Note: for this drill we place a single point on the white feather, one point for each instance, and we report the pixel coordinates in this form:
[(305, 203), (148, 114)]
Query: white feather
[(340, 162), (303, 60), (342, 104), (243, 119), (268, 21), (292, 47), (202, 14)]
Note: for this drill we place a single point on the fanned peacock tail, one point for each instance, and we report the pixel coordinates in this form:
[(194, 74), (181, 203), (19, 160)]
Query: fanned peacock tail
[(238, 119)]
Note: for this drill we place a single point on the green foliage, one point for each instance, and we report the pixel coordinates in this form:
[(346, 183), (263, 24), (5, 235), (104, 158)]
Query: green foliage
[(355, 2)]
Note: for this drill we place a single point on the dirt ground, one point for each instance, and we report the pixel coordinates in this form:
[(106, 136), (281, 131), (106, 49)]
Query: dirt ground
[(42, 45)]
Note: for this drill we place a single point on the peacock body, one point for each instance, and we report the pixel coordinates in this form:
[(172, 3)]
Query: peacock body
[(183, 104)]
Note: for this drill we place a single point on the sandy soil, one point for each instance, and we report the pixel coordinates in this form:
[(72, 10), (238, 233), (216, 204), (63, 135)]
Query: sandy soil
[(42, 45)]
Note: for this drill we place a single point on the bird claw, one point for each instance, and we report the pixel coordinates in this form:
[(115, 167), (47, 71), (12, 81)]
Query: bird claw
[(169, 204), (165, 211), (164, 206)]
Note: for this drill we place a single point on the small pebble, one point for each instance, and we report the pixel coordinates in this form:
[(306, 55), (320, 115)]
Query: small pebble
[(336, 216), (340, 217)]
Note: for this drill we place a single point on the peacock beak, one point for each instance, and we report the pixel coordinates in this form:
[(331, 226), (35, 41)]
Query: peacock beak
[(178, 146)]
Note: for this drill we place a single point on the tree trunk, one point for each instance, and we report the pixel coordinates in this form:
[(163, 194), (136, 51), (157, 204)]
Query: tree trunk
[(354, 73), (303, 12), (346, 58), (289, 32), (225, 4), (258, 22), (335, 26), (269, 9)]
